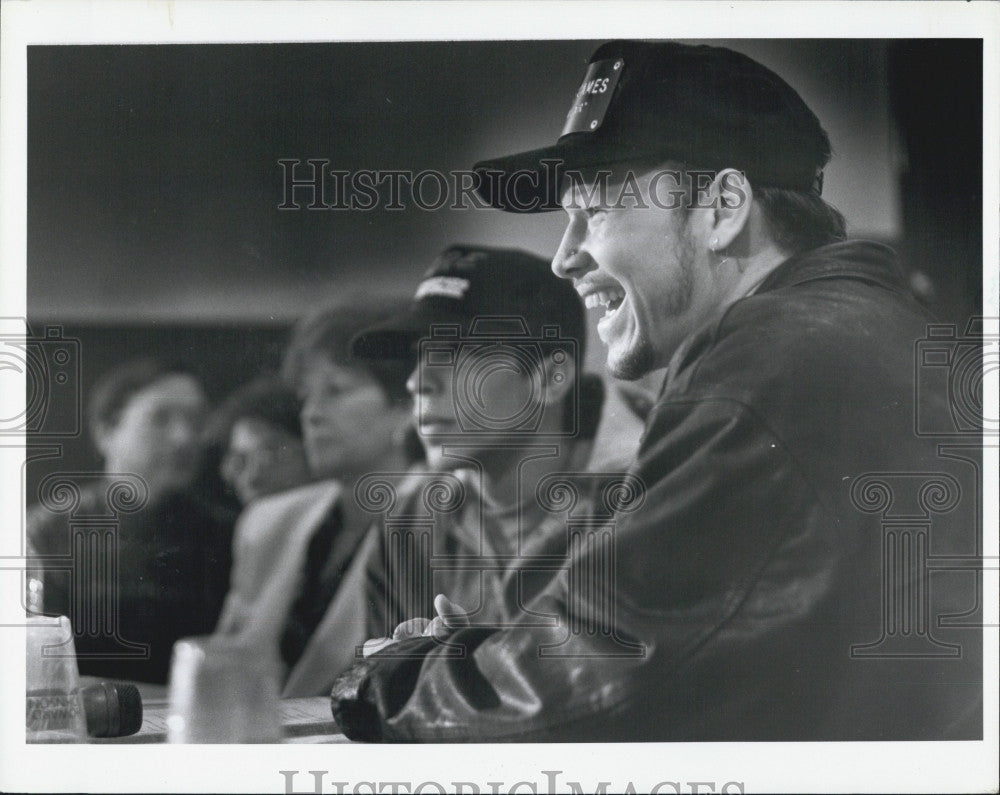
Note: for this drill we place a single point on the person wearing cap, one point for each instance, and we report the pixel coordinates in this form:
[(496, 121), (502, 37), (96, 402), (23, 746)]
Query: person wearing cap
[(500, 402), (500, 406), (775, 583)]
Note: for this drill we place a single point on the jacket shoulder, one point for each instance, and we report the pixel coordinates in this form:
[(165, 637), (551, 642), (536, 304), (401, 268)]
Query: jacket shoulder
[(831, 334)]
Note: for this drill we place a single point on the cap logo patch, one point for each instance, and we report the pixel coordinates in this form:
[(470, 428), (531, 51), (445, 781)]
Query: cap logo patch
[(442, 286), (594, 96)]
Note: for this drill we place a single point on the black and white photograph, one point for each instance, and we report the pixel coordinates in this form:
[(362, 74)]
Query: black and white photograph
[(499, 397)]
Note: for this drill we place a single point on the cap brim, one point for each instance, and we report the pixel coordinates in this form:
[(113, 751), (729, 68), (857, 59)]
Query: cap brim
[(531, 182)]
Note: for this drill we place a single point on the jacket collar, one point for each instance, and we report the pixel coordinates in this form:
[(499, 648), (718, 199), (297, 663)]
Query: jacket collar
[(852, 259), (862, 260)]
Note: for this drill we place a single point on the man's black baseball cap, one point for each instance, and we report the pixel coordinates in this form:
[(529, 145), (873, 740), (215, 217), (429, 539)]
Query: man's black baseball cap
[(705, 107), (497, 292)]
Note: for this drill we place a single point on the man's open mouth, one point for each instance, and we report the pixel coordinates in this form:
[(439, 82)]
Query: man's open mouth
[(609, 298)]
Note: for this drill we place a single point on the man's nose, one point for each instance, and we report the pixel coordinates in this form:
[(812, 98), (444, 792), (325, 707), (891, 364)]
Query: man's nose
[(422, 382), (412, 382), (311, 413), (569, 262)]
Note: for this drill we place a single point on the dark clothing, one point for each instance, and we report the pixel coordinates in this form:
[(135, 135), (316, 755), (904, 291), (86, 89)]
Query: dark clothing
[(483, 563), (490, 560), (316, 591), (290, 552), (789, 576), (172, 561)]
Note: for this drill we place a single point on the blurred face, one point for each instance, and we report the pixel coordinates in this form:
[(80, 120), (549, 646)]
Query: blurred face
[(638, 267), (492, 394), (157, 434), (262, 459), (347, 420)]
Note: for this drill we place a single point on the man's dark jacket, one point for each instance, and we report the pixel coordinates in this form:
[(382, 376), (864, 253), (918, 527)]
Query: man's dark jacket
[(795, 572)]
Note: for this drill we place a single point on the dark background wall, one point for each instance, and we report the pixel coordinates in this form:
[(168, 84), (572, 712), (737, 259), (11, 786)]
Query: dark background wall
[(936, 90), (154, 184)]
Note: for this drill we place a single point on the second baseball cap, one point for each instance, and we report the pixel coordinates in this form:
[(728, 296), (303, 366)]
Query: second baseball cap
[(492, 291)]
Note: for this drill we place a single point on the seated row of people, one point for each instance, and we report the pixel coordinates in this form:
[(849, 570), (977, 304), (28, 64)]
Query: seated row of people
[(489, 409)]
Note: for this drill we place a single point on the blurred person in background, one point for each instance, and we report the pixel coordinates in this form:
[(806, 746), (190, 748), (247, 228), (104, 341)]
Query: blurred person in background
[(132, 558), (294, 546), (257, 434), (354, 413), (255, 442)]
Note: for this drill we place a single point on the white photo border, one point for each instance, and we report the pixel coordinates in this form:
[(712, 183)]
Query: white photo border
[(773, 767)]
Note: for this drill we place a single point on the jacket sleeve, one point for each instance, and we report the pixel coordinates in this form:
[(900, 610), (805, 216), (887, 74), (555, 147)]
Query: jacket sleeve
[(636, 605)]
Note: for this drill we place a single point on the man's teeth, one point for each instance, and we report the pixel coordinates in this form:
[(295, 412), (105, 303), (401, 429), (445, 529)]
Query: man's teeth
[(603, 298)]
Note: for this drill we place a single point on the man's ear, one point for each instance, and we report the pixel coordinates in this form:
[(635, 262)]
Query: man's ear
[(732, 199), (560, 378)]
